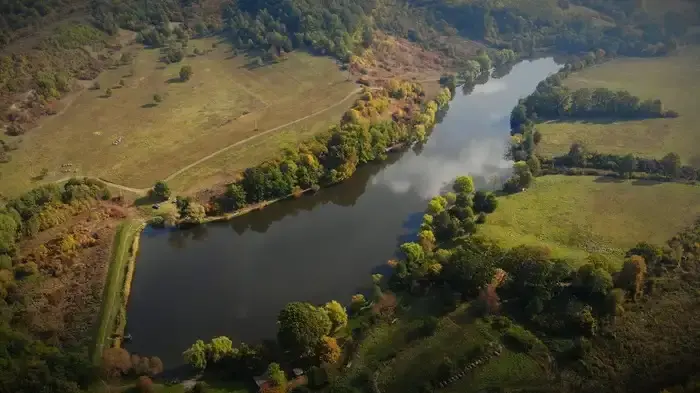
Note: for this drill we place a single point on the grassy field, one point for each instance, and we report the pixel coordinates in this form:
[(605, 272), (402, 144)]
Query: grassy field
[(123, 240), (579, 215), (404, 364), (219, 168), (674, 79), (222, 104)]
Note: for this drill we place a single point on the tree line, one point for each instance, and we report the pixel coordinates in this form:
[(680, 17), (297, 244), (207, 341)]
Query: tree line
[(334, 156), (669, 167), (551, 100)]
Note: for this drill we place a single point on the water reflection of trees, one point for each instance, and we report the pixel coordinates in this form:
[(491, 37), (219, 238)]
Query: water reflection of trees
[(177, 238), (344, 194)]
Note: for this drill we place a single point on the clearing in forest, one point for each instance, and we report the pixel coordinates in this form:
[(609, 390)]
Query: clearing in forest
[(129, 139), (576, 216), (674, 79)]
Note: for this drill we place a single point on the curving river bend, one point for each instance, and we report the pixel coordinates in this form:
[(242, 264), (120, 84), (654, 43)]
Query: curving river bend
[(233, 278)]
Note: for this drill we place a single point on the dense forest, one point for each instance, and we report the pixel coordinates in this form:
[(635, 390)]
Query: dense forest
[(28, 364)]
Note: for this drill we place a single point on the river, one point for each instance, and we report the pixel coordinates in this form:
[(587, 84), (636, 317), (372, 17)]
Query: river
[(233, 278)]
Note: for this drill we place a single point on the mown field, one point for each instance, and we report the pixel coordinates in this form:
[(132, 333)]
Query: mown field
[(578, 215), (674, 79), (222, 104), (405, 364)]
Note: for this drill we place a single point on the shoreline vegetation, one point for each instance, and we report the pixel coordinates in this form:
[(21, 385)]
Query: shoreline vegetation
[(117, 285)]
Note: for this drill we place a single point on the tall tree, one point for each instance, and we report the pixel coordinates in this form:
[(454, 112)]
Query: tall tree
[(301, 326)]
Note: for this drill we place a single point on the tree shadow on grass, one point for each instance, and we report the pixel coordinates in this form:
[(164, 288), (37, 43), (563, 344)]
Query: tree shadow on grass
[(646, 182), (149, 105), (609, 179), (147, 200), (173, 80)]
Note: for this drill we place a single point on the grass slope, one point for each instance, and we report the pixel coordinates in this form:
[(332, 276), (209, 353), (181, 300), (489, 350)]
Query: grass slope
[(123, 240), (674, 79), (579, 215), (405, 364), (223, 103)]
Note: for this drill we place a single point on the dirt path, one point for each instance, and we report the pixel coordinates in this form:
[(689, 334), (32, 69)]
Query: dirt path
[(271, 130), (229, 147)]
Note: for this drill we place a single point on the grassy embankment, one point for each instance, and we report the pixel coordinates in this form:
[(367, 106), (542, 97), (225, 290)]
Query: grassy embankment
[(117, 284), (674, 79), (225, 102), (579, 215), (404, 363)]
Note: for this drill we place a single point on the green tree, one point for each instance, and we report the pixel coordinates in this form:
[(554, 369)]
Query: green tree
[(161, 190), (301, 326), (436, 205), (671, 164), (236, 194), (196, 355), (276, 375), (534, 164), (627, 165), (8, 234), (485, 202), (337, 314), (108, 92), (522, 174), (185, 73), (463, 184), (219, 348)]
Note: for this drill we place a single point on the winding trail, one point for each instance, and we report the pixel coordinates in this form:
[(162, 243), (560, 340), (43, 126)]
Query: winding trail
[(271, 130), (229, 147)]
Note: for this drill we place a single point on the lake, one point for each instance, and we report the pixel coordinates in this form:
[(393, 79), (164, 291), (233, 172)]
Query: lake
[(232, 278)]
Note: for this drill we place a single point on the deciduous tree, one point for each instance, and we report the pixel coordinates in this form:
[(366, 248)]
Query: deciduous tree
[(301, 326), (337, 315)]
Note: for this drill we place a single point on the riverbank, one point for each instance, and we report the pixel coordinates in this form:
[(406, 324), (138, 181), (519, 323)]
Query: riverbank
[(117, 285)]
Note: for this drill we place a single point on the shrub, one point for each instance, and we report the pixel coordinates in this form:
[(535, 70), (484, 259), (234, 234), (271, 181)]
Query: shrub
[(108, 93), (26, 269), (157, 98), (144, 385), (428, 326), (5, 262), (521, 339), (185, 73)]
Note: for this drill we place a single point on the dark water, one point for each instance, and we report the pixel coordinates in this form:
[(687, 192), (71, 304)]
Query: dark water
[(233, 278)]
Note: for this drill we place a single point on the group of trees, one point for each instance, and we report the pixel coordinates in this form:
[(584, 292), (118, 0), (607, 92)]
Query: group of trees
[(668, 167), (552, 100), (305, 333), (569, 306), (337, 27), (629, 31), (452, 216), (335, 155)]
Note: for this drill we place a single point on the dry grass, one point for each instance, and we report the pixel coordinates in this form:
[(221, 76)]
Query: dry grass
[(577, 215), (674, 79), (220, 105)]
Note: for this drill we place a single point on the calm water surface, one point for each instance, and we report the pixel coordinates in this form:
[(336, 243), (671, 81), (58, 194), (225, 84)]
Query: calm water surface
[(233, 278)]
